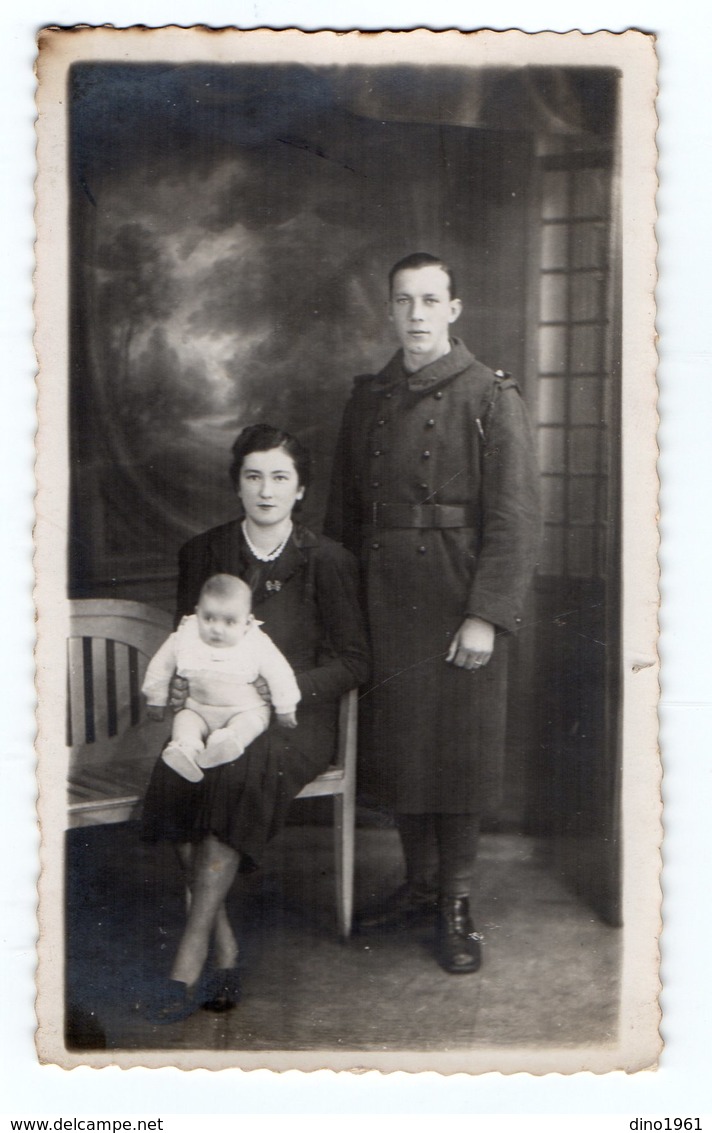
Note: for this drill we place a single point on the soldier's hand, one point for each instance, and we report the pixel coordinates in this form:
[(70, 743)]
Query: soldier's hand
[(472, 645), (177, 693), (155, 711)]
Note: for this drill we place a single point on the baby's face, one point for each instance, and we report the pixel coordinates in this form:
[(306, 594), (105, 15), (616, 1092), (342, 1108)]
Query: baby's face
[(221, 621)]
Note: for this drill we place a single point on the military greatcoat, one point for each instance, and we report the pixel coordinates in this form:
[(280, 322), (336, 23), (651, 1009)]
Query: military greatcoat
[(435, 489)]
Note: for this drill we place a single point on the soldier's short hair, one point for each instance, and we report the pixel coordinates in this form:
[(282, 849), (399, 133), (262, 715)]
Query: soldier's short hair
[(422, 260)]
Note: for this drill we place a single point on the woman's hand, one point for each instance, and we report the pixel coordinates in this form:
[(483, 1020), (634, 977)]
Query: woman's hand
[(472, 645), (263, 689), (177, 693)]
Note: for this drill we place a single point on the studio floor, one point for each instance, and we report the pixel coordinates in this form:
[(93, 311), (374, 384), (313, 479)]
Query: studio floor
[(550, 975)]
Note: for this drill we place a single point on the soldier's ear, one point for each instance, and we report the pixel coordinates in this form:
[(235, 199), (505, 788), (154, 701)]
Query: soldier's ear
[(455, 310)]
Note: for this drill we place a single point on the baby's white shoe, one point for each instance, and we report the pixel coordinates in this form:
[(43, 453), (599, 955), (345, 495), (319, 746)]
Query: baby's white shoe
[(222, 747), (182, 761)]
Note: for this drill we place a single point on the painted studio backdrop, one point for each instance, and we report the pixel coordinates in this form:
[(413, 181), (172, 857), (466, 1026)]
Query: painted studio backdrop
[(231, 232)]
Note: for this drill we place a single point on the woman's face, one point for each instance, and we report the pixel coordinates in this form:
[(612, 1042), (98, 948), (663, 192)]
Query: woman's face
[(269, 486)]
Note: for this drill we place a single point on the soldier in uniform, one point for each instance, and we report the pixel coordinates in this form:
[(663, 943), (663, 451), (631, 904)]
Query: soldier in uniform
[(435, 489)]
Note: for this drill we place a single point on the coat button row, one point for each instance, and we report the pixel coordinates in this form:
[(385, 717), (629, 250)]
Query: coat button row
[(438, 394), (423, 486), (377, 546), (426, 454), (430, 424)]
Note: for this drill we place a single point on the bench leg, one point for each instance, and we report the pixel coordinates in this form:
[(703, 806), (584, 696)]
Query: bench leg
[(344, 837)]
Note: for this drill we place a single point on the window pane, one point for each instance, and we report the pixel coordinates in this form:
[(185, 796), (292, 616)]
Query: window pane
[(603, 451), (590, 192), (555, 191), (587, 296), (587, 348), (552, 498), (554, 239), (585, 401), (551, 449), (580, 551), (552, 401), (582, 499), (589, 245), (584, 450), (553, 298), (551, 557), (552, 350), (603, 549)]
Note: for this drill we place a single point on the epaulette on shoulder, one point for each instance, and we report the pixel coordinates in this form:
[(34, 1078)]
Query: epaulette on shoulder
[(503, 380)]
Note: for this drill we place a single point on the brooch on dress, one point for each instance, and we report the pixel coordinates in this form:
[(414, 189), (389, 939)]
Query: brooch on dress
[(270, 585)]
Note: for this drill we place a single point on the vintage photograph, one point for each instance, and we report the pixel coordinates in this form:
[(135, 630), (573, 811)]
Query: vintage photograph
[(346, 550)]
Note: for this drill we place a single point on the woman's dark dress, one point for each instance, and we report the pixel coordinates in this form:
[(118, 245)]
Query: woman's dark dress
[(308, 603)]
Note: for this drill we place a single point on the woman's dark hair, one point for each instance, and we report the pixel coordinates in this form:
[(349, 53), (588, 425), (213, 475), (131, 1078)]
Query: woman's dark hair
[(262, 438)]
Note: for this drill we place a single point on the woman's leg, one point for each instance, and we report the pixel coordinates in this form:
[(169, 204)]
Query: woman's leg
[(224, 939), (213, 872), (226, 946), (186, 857)]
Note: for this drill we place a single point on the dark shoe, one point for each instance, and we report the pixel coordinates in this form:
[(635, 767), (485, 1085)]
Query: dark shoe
[(459, 947), (225, 992), (173, 1002), (405, 908)]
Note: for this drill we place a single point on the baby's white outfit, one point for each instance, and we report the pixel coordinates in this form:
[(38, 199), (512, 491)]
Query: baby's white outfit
[(223, 705)]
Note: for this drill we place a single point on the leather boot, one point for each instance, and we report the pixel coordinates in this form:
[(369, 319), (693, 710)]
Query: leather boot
[(408, 907), (459, 947)]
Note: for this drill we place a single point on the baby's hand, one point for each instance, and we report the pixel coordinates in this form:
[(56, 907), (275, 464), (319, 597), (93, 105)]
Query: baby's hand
[(286, 719), (155, 711)]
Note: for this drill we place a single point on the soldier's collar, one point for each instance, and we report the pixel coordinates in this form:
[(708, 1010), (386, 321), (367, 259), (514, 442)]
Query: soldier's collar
[(457, 360)]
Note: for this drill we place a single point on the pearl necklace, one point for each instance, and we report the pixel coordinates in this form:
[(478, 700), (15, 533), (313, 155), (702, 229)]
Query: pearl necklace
[(263, 558)]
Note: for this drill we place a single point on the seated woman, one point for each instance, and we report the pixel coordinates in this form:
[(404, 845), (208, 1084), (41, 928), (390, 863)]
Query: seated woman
[(305, 594)]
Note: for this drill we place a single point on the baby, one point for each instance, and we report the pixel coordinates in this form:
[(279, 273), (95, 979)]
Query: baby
[(221, 651)]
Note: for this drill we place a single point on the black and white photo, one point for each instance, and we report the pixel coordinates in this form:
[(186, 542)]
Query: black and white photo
[(366, 323)]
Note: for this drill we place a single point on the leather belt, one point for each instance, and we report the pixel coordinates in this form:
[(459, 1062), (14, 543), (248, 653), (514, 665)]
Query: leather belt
[(417, 515)]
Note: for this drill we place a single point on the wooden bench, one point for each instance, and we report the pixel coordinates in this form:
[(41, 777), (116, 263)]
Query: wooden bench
[(113, 746)]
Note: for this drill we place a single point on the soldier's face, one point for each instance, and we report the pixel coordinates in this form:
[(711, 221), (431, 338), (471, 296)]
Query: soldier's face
[(422, 312)]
